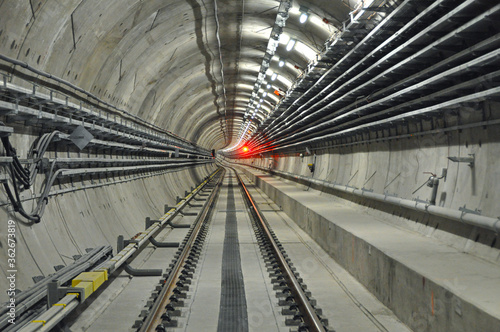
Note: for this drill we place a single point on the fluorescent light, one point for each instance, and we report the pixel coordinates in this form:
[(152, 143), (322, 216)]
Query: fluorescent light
[(274, 76), (290, 45), (284, 38), (282, 62), (264, 94), (268, 86), (261, 100), (303, 18)]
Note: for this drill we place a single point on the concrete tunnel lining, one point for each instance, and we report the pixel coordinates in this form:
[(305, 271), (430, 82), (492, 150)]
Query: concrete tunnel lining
[(185, 74)]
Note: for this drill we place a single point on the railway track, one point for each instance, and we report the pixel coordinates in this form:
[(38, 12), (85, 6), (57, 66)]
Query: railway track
[(298, 308)]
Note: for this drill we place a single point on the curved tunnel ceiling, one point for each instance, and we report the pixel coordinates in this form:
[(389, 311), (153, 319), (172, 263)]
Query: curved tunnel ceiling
[(162, 60)]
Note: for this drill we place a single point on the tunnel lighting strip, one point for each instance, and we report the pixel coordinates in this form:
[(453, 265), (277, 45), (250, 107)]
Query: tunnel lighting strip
[(272, 44), (323, 100), (306, 96), (346, 30), (302, 122), (68, 303)]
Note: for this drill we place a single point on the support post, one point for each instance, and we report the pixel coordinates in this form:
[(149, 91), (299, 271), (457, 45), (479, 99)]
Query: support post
[(132, 271)]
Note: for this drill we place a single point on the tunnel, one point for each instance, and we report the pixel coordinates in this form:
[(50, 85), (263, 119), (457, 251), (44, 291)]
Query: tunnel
[(250, 165)]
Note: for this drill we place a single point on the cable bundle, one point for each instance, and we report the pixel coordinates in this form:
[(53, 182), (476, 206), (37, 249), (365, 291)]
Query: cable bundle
[(24, 177)]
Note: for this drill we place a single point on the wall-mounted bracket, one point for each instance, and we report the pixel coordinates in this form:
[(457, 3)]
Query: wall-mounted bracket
[(55, 292), (132, 271), (418, 200), (464, 209), (167, 208), (469, 160), (149, 223), (188, 213)]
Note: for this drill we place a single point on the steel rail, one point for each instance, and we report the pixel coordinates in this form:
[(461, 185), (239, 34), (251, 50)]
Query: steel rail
[(154, 318), (306, 309), (68, 303)]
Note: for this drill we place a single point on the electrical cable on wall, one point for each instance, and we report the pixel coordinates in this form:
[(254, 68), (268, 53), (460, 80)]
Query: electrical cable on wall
[(24, 177)]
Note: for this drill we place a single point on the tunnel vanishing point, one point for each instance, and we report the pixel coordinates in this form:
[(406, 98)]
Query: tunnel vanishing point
[(250, 165)]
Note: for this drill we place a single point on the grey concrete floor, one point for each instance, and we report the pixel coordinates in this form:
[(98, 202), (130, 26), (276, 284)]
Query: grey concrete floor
[(262, 309), (120, 303), (345, 302)]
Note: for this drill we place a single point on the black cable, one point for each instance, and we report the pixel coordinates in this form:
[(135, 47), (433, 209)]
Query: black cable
[(16, 204)]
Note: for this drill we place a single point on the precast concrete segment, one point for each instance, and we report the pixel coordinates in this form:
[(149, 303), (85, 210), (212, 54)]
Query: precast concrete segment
[(429, 286), (233, 307)]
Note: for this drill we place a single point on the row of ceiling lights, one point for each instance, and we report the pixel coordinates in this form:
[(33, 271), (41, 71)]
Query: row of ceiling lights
[(248, 126), (253, 104)]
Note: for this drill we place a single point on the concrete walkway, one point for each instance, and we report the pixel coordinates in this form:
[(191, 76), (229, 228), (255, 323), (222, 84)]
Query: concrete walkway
[(430, 286), (344, 301)]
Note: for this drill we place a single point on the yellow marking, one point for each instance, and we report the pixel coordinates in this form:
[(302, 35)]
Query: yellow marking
[(90, 281), (40, 321), (60, 304)]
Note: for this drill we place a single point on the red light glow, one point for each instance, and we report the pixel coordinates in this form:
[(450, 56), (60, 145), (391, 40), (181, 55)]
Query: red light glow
[(245, 149)]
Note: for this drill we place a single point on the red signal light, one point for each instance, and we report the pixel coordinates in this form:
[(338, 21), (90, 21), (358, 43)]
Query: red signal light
[(245, 149)]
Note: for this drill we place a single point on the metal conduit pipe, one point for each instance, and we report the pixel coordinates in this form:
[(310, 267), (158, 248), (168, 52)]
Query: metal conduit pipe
[(54, 315), (88, 94), (69, 302), (25, 300), (489, 223), (121, 257)]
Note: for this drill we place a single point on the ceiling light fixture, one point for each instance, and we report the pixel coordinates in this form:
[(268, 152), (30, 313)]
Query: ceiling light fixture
[(282, 62), (264, 94), (290, 45), (274, 76), (303, 14), (268, 86)]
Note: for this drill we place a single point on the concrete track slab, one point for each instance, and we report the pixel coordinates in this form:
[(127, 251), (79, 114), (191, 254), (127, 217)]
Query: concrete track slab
[(345, 302), (119, 304), (262, 309), (449, 290)]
